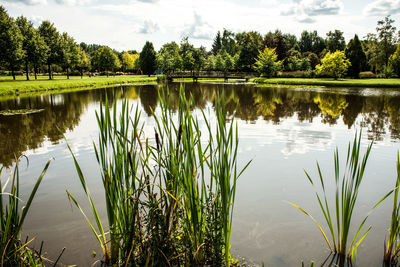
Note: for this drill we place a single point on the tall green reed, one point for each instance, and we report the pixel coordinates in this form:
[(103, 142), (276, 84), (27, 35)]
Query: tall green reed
[(12, 217), (346, 192), (392, 246), (169, 199)]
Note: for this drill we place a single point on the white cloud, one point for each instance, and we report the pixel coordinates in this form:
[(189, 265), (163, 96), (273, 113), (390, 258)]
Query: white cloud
[(382, 8), (199, 29), (148, 27), (28, 2), (304, 10), (72, 2), (36, 20)]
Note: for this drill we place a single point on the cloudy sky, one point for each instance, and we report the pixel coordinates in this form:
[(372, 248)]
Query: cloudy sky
[(127, 24)]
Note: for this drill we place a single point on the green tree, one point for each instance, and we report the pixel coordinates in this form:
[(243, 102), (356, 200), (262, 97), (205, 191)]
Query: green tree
[(335, 63), (355, 53), (199, 56), (394, 61), (267, 63), (127, 61), (386, 37), (228, 42), (105, 59), (335, 41), (53, 41), (11, 39), (276, 40), (217, 44), (84, 61), (219, 62), (147, 59), (311, 42), (168, 58), (70, 53), (249, 45)]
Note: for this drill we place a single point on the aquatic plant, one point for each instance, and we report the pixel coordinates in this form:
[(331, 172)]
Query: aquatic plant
[(392, 246), (169, 200), (13, 251), (346, 193)]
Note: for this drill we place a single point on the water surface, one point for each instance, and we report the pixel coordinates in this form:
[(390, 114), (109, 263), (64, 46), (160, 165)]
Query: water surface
[(283, 130)]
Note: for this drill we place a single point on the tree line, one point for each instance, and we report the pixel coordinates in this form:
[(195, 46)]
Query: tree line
[(24, 47)]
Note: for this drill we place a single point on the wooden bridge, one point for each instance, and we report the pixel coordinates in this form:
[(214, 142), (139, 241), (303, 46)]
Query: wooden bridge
[(210, 75)]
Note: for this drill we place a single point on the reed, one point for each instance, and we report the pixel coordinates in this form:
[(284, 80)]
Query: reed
[(169, 199), (13, 251), (392, 246), (347, 186)]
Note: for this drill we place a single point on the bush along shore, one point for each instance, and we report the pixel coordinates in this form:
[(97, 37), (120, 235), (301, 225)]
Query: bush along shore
[(8, 87), (170, 194)]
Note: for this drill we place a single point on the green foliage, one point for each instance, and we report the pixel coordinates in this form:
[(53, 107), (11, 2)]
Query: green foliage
[(105, 59), (11, 52), (147, 59), (53, 41), (127, 61), (266, 63), (355, 53), (219, 62), (250, 44), (311, 42), (278, 41), (346, 192), (168, 58), (394, 61), (335, 41), (392, 246), (217, 44), (70, 53), (334, 63)]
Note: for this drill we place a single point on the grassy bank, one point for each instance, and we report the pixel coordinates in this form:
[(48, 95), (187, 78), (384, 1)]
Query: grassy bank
[(386, 83), (61, 82)]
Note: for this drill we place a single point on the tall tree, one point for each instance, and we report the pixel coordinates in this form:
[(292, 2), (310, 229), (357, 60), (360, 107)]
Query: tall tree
[(217, 44), (11, 52), (335, 63), (199, 56), (267, 63), (335, 41), (70, 53), (386, 37), (249, 43), (228, 42), (168, 58), (84, 61), (105, 59), (278, 41), (147, 59), (355, 53), (33, 45), (53, 41), (127, 61), (311, 42)]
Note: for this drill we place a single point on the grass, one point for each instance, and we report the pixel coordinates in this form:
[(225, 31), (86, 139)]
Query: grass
[(23, 86), (346, 193), (170, 201), (382, 83), (392, 246), (13, 251)]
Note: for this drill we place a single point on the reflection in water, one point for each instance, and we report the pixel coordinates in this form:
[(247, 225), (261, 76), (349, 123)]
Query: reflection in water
[(380, 114)]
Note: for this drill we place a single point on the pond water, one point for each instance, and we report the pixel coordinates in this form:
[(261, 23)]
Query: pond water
[(283, 130)]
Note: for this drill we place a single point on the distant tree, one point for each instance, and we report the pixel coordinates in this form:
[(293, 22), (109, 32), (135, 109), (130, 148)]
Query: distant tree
[(335, 63), (199, 56), (168, 58), (11, 39), (267, 63), (84, 61), (335, 41), (291, 41), (386, 37), (147, 59), (28, 41), (228, 42), (136, 65), (210, 62), (228, 61), (355, 53), (53, 41), (70, 53), (188, 61), (313, 58), (127, 61), (311, 42), (105, 59), (249, 45), (219, 62), (217, 44), (276, 40), (394, 61)]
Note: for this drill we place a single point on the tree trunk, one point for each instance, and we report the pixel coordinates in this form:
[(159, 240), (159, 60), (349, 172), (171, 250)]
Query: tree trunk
[(49, 71), (35, 71), (67, 74), (81, 73), (107, 73), (12, 73), (27, 70)]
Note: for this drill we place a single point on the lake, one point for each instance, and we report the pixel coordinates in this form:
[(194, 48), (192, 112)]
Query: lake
[(283, 130)]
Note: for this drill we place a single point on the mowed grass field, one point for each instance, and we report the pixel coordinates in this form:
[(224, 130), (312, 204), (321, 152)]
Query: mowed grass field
[(381, 83), (21, 85)]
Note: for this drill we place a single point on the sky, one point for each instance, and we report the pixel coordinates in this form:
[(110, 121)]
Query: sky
[(128, 24)]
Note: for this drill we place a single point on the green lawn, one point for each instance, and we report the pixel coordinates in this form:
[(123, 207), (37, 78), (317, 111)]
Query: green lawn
[(8, 86), (389, 83)]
